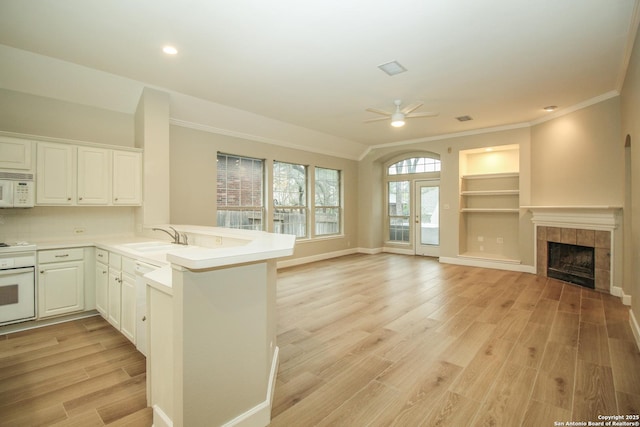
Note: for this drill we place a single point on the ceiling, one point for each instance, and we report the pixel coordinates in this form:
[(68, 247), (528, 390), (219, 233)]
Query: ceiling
[(314, 64)]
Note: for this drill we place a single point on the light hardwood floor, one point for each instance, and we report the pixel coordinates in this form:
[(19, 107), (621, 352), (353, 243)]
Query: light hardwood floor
[(399, 340), (371, 340), (81, 373)]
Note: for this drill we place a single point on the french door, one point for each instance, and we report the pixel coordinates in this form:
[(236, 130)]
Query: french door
[(427, 218)]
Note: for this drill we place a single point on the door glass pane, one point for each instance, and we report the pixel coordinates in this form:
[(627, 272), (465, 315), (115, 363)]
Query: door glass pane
[(429, 215), (398, 205)]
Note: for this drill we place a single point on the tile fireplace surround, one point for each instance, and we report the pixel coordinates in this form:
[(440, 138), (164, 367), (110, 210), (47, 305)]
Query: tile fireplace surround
[(590, 226)]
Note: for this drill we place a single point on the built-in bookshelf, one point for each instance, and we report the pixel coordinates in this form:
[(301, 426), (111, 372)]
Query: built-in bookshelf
[(490, 205)]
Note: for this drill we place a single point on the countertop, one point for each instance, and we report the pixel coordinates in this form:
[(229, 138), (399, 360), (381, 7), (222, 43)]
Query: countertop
[(213, 247)]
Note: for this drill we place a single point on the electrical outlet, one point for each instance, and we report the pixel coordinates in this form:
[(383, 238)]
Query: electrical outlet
[(79, 230), (218, 240), (500, 240), (480, 238)]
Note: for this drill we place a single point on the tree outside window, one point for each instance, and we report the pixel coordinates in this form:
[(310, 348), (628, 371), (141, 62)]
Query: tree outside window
[(290, 198), (398, 205), (240, 192), (327, 201)]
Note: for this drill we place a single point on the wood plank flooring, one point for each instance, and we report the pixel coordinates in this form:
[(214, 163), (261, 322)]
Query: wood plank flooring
[(370, 340), (81, 373), (398, 340)]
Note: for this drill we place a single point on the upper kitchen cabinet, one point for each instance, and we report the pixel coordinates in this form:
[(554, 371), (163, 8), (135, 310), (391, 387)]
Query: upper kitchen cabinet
[(94, 171), (55, 174), (15, 154), (127, 178), (77, 175)]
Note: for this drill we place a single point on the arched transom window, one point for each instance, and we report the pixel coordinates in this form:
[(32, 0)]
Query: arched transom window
[(414, 165)]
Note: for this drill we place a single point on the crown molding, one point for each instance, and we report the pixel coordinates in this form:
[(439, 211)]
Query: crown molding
[(256, 138)]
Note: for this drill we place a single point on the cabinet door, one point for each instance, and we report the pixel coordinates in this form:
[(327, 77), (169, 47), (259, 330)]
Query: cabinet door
[(55, 174), (61, 288), (94, 176), (114, 305), (102, 288), (128, 313), (127, 178), (15, 153)]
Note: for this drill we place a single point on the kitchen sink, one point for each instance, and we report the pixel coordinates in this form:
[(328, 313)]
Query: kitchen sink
[(154, 246)]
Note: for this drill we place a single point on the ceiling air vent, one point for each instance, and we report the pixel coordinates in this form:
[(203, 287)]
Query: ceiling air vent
[(464, 118), (392, 68)]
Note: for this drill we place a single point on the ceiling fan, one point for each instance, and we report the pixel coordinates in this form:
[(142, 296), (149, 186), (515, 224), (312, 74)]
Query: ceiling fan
[(398, 117)]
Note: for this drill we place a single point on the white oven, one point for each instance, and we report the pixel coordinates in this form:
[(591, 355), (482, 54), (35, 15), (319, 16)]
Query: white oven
[(17, 286)]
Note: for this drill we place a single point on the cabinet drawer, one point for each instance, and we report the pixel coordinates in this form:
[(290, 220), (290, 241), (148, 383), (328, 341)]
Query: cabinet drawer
[(59, 255), (102, 256), (115, 261)]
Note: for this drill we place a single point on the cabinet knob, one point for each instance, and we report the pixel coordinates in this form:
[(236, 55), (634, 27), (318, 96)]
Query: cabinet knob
[(80, 198), (41, 271), (116, 199), (69, 199), (144, 318)]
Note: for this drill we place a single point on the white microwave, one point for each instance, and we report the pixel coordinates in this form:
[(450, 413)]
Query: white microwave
[(16, 190)]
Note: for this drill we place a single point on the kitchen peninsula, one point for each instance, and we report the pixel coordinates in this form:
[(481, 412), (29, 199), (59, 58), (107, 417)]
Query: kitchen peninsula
[(212, 329)]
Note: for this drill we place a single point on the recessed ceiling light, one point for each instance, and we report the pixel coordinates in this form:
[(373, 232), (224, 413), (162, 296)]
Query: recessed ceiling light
[(170, 50), (392, 68), (551, 108)]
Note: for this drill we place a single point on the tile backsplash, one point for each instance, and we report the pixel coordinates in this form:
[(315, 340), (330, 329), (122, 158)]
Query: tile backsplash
[(65, 223)]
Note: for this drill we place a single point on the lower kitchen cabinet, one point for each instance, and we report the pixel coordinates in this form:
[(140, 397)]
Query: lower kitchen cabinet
[(128, 307), (115, 290), (60, 282), (102, 282)]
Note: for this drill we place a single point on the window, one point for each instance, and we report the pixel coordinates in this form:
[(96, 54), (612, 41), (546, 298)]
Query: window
[(327, 203), (414, 165), (398, 211), (240, 192), (290, 199)]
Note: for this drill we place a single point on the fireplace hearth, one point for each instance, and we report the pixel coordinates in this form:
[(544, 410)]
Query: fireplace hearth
[(572, 263)]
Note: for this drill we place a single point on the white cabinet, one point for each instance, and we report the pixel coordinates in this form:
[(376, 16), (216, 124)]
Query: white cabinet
[(102, 282), (15, 153), (60, 282), (128, 307), (69, 174), (115, 290), (127, 178), (93, 178), (55, 174)]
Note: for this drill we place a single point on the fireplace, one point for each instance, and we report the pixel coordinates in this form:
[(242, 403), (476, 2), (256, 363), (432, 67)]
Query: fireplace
[(572, 263), (597, 228)]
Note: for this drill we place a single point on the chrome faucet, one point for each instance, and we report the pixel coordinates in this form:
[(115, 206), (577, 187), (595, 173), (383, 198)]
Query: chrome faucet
[(176, 236)]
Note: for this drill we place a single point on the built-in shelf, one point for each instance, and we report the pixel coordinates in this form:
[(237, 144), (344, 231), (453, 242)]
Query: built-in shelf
[(490, 205), (490, 193), (496, 210), (491, 175)]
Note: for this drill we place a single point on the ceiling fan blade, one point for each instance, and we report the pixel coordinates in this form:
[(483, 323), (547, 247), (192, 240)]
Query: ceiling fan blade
[(425, 114), (377, 119), (410, 108), (377, 111)]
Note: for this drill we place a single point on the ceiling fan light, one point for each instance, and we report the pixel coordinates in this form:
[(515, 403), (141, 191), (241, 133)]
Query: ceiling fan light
[(397, 120)]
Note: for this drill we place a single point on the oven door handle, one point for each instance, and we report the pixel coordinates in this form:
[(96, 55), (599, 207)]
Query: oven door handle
[(21, 270)]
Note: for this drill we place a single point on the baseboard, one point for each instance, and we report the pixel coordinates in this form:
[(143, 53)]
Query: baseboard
[(370, 251), (313, 258), (33, 324), (260, 415), (635, 328), (399, 251), (497, 264), (160, 419), (617, 291)]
